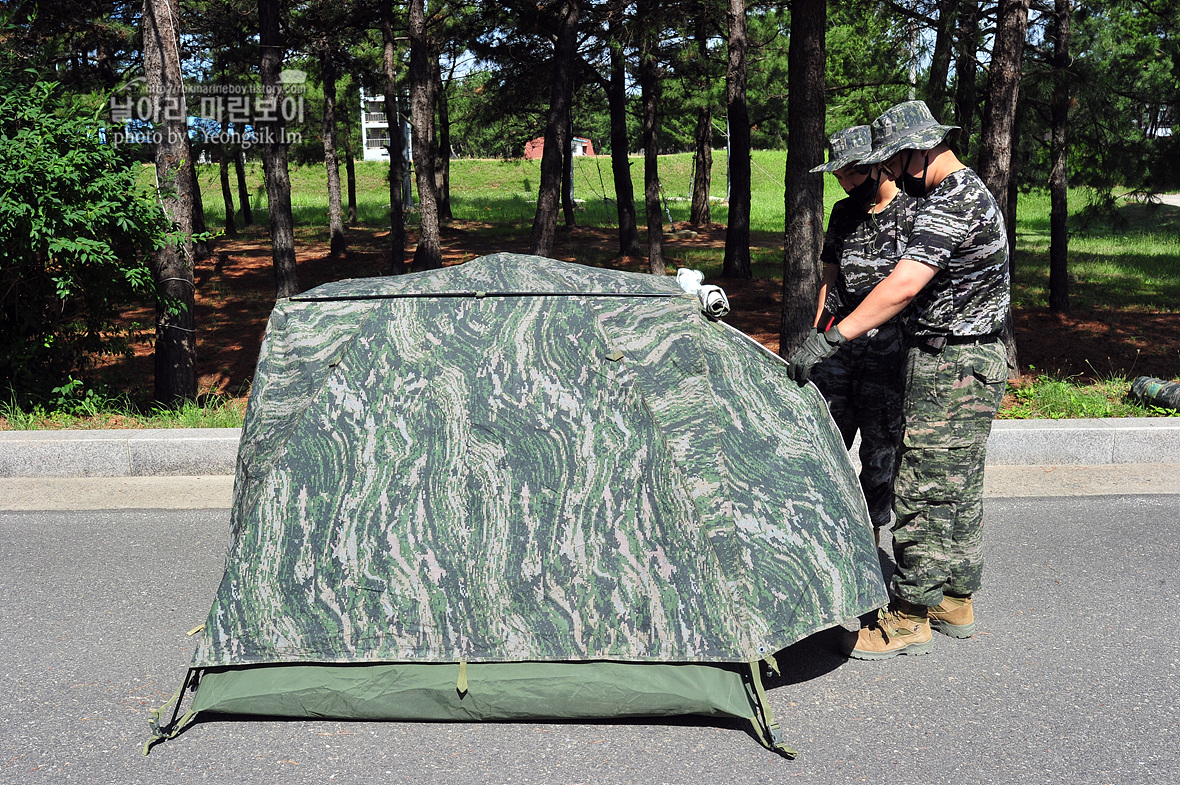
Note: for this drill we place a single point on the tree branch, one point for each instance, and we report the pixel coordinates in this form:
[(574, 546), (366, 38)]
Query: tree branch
[(861, 85)]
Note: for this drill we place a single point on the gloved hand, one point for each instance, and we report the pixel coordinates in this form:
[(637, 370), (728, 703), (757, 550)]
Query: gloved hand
[(818, 346)]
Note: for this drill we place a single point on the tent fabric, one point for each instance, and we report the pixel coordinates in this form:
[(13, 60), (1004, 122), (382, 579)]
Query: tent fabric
[(520, 461), (435, 479)]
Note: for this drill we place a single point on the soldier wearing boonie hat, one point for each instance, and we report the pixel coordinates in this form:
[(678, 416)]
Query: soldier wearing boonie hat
[(907, 126), (954, 277), (862, 385), (846, 148)]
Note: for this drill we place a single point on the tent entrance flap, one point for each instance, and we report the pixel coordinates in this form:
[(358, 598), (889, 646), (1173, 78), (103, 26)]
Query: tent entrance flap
[(495, 691)]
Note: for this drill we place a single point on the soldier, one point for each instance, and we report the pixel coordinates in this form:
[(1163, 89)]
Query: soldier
[(862, 384), (955, 272)]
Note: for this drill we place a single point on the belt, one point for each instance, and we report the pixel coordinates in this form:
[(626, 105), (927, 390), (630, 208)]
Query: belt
[(936, 343)]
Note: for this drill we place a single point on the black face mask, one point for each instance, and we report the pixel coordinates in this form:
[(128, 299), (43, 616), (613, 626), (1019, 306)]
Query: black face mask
[(863, 194), (914, 186)]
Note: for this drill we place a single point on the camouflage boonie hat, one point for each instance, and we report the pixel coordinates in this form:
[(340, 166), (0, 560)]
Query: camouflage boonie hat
[(907, 126), (847, 147)]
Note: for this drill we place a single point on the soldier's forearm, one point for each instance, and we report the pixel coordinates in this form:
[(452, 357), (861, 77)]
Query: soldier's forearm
[(888, 298)]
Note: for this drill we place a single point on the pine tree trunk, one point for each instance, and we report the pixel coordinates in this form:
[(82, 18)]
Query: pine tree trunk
[(567, 177), (619, 147), (336, 243), (804, 191), (1058, 152), (1010, 214), (428, 254), (442, 150), (556, 140), (646, 13), (172, 265), (940, 61), (345, 128), (274, 152), (702, 174), (736, 263), (700, 214), (965, 69), (396, 257), (997, 135), (201, 249), (243, 189), (227, 193), (350, 177), (104, 63)]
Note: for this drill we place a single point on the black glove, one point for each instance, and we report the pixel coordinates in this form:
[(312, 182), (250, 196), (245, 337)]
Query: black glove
[(818, 346)]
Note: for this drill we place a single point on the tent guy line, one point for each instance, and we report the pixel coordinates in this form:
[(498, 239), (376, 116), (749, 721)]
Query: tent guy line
[(475, 294)]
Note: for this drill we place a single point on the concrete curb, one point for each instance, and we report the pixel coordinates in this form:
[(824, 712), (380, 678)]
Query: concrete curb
[(213, 451), (1084, 442), (119, 453)]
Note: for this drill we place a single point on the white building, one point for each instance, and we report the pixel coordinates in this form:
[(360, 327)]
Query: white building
[(375, 129), (375, 138)]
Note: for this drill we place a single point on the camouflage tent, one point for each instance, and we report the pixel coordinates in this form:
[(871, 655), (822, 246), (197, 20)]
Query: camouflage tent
[(524, 488)]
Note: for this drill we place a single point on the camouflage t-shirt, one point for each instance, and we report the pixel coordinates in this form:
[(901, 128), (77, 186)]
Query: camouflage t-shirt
[(865, 246), (960, 230)]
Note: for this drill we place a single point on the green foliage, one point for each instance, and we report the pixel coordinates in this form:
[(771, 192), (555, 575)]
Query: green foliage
[(1125, 77), (766, 82), (479, 127), (72, 407), (497, 109), (495, 112), (87, 47), (309, 128), (1049, 398), (867, 64), (76, 234)]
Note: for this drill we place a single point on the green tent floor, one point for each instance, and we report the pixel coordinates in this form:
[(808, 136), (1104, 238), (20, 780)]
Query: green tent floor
[(483, 691), (494, 691)]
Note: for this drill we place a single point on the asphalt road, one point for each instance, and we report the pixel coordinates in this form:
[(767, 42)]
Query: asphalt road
[(1072, 677)]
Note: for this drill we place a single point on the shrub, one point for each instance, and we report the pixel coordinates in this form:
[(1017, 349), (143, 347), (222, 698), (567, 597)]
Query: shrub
[(76, 235)]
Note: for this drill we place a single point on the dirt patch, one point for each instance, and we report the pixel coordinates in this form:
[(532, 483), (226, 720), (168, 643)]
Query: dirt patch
[(235, 294)]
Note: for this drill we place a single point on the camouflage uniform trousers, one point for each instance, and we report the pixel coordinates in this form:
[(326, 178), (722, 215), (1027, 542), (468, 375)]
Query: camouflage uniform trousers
[(863, 387), (951, 398)]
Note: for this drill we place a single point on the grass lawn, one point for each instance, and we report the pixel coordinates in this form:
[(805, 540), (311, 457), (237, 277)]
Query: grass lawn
[(504, 193), (1132, 266), (1127, 267), (1124, 280)]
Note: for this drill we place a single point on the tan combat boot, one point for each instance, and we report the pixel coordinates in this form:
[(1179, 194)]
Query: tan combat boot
[(900, 629), (953, 616)]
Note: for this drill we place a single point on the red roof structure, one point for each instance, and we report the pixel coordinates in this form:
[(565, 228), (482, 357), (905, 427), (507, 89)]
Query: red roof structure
[(534, 147)]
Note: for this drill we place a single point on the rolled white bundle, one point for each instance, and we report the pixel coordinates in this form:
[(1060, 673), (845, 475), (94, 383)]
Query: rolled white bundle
[(714, 303)]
